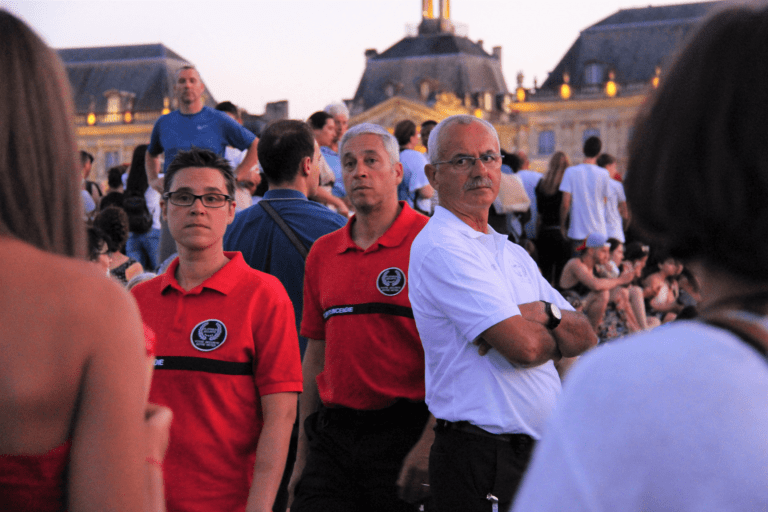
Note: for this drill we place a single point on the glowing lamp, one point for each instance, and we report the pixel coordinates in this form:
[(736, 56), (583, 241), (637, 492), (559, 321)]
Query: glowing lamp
[(565, 89)]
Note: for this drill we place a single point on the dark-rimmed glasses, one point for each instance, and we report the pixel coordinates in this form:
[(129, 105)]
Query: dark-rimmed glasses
[(211, 200)]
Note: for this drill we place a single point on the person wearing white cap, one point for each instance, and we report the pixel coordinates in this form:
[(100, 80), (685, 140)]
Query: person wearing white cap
[(578, 278)]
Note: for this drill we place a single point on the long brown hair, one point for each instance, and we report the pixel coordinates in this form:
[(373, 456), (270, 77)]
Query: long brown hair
[(39, 178), (554, 175)]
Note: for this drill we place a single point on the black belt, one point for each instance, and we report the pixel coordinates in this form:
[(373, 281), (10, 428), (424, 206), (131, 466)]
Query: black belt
[(468, 428), (400, 409)]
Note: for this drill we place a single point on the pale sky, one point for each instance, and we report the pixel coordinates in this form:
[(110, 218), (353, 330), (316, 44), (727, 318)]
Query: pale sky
[(310, 52)]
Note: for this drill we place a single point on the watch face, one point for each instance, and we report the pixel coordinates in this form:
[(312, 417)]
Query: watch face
[(556, 312)]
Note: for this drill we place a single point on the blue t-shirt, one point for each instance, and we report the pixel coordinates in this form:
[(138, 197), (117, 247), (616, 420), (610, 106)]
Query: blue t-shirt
[(208, 129), (266, 248), (334, 162)]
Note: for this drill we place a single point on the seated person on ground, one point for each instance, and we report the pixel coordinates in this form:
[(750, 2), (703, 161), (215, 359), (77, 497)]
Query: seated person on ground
[(579, 278), (661, 290)]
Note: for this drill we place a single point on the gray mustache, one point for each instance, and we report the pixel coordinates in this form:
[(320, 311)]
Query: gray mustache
[(479, 182)]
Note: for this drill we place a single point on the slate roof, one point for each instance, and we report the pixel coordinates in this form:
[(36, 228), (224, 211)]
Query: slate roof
[(631, 42), (451, 63), (146, 70)]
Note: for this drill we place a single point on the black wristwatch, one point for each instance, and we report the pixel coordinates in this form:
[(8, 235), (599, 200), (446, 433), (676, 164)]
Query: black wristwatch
[(554, 314)]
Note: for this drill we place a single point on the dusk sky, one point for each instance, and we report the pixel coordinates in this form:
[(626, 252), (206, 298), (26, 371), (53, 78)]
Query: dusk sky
[(309, 52)]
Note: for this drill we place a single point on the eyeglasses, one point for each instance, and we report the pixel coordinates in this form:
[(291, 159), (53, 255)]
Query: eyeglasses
[(464, 163), (188, 199)]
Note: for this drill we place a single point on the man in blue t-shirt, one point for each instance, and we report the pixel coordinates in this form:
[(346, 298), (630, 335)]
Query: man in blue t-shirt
[(196, 125)]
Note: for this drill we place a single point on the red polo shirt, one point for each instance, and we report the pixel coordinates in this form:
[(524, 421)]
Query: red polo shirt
[(357, 301), (220, 347)]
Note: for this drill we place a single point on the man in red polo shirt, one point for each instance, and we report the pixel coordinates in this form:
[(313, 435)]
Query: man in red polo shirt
[(227, 360), (369, 441)]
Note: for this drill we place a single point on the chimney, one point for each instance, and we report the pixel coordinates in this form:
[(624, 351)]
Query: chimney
[(497, 53)]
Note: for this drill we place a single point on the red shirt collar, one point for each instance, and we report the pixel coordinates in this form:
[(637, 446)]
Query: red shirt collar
[(393, 237), (223, 281)]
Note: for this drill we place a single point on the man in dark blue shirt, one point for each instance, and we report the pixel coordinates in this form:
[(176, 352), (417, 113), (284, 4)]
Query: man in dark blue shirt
[(289, 156)]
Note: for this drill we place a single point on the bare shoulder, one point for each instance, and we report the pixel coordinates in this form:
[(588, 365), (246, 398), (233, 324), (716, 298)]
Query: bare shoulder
[(72, 292)]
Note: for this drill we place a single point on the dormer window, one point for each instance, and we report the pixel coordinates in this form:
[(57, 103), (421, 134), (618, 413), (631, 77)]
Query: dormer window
[(593, 73), (488, 101), (113, 103)]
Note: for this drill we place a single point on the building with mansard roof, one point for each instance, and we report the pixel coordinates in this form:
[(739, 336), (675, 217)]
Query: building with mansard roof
[(601, 81), (119, 92), (436, 67), (595, 89)]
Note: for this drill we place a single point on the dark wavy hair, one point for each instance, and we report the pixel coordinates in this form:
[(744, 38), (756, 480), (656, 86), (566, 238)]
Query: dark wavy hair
[(697, 178), (40, 178), (114, 222)]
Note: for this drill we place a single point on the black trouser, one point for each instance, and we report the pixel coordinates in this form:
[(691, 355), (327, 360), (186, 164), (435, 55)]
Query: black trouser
[(355, 458), (466, 465)]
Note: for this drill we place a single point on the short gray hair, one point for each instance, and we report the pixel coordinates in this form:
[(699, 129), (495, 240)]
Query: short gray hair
[(185, 67), (389, 140), (336, 109), (434, 136)]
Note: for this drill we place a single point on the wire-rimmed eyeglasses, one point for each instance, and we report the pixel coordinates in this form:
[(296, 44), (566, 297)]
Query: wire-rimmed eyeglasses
[(464, 162)]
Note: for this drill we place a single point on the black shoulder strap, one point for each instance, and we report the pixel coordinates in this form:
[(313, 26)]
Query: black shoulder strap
[(285, 227)]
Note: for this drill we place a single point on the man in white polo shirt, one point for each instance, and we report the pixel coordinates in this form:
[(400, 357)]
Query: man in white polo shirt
[(585, 188), (490, 324)]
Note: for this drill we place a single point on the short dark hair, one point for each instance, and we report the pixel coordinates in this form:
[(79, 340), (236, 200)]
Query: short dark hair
[(592, 147), (635, 251), (85, 157), (614, 243), (282, 147), (426, 128), (697, 176), (605, 159), (404, 130), (512, 160), (115, 176), (197, 157), (318, 120), (228, 107)]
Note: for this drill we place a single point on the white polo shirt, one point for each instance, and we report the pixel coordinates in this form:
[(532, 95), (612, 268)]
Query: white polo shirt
[(461, 282), (589, 187)]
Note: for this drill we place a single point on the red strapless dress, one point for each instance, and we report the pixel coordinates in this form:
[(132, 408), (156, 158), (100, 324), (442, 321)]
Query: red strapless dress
[(34, 482)]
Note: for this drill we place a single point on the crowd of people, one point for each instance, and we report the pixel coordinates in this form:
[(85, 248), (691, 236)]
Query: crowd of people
[(325, 318)]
